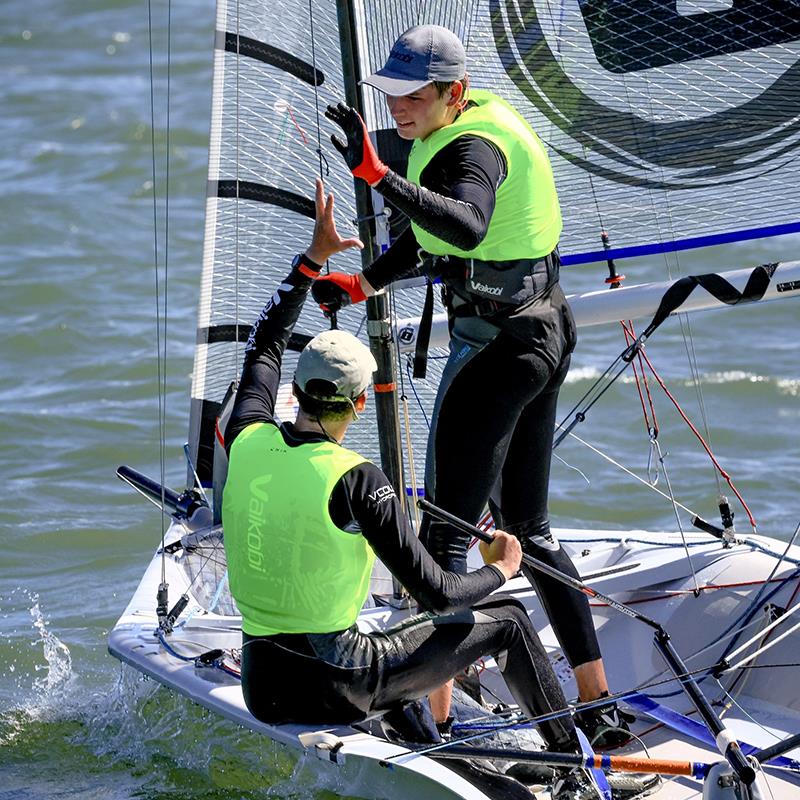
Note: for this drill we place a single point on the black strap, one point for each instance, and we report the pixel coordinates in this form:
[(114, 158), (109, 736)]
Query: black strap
[(479, 308), (717, 287), (424, 335)]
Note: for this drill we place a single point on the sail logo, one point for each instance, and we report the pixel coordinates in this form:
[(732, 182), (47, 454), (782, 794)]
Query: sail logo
[(622, 44), (665, 96)]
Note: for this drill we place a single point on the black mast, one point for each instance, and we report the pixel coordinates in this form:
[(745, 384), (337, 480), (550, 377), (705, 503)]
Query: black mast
[(378, 322)]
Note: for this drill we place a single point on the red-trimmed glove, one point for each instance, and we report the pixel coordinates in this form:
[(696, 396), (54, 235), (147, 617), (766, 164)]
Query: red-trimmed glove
[(359, 153), (337, 290)]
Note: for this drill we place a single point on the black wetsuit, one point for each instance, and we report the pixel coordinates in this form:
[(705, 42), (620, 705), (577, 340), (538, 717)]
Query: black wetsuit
[(492, 431), (344, 676)]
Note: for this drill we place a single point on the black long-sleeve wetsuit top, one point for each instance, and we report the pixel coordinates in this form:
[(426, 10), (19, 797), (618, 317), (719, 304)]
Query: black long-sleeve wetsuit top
[(363, 501), (455, 202)]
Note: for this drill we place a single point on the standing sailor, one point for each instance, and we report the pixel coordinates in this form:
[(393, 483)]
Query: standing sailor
[(483, 206), (304, 519)]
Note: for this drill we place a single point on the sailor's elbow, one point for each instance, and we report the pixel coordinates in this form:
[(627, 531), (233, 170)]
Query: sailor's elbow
[(470, 239), (471, 236), (436, 603)]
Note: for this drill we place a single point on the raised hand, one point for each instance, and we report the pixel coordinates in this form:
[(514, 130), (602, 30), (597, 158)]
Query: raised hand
[(358, 151), (326, 240)]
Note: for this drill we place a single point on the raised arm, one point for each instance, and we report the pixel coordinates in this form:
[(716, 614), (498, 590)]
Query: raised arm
[(261, 373), (455, 203)]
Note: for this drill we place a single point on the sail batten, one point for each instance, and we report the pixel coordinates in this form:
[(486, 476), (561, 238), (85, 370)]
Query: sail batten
[(674, 246), (275, 56)]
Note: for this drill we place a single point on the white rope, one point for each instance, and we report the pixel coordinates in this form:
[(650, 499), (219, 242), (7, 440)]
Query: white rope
[(631, 473), (768, 646), (760, 634)]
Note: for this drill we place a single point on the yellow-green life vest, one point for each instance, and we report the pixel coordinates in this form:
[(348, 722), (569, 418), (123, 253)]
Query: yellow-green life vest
[(526, 222), (291, 570)]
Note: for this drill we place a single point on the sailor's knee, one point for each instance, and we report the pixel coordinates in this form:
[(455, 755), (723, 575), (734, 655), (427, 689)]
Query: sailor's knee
[(535, 537), (512, 608)]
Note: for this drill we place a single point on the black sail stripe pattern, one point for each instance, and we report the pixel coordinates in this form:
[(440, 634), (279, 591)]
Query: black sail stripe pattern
[(240, 333), (274, 56), (717, 287), (261, 193)]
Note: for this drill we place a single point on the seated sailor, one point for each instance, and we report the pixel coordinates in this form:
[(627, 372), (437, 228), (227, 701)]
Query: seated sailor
[(304, 519)]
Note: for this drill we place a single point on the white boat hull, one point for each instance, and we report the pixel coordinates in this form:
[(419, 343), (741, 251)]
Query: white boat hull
[(646, 570)]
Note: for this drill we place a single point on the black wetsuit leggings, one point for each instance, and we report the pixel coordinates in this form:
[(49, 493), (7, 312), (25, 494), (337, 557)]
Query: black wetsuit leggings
[(346, 676), (492, 443)]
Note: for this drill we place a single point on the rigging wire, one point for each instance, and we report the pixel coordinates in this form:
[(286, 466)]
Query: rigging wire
[(161, 347), (236, 349), (678, 522), (526, 721), (732, 701), (699, 436), (650, 419), (691, 355), (685, 325), (626, 470), (312, 31), (758, 598), (411, 507)]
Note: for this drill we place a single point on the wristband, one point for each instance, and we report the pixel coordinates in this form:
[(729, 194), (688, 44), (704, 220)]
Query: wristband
[(305, 266)]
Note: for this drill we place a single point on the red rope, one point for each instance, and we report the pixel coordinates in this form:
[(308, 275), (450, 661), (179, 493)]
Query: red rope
[(697, 433), (630, 337)]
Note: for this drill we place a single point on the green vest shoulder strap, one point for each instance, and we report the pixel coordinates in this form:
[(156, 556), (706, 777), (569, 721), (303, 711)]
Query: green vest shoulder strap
[(526, 222), (291, 570)]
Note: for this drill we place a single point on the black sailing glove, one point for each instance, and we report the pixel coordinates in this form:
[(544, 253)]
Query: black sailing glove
[(359, 153), (337, 290)]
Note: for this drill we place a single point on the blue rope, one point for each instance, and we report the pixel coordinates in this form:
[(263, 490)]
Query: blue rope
[(218, 593), (171, 650)]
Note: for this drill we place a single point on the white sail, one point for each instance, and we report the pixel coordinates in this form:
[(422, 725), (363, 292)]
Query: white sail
[(680, 135), (264, 156)]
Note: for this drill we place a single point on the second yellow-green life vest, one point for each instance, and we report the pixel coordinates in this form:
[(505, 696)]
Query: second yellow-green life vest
[(291, 570)]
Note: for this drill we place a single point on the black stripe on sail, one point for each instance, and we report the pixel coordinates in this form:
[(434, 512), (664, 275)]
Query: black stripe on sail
[(206, 411), (262, 193), (241, 333), (717, 287), (274, 56)]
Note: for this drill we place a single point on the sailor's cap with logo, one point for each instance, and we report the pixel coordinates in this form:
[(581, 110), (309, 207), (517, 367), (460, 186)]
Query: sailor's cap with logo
[(338, 359), (423, 54)]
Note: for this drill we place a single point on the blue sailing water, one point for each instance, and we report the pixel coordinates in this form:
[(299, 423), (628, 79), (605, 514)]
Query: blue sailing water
[(78, 383)]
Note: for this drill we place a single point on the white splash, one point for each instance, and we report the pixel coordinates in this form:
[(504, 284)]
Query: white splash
[(41, 681), (789, 386), (56, 654)]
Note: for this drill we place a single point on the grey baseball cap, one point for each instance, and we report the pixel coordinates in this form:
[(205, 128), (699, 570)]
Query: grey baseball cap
[(421, 55), (338, 358)]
